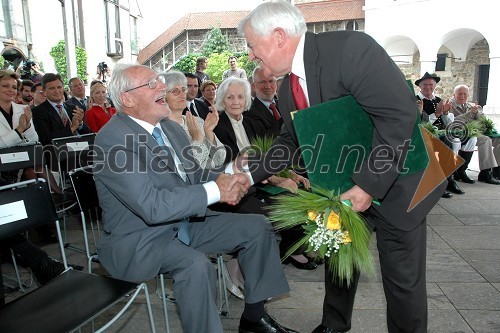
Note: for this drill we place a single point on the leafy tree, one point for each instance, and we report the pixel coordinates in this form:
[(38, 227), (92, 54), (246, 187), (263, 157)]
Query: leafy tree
[(58, 53), (215, 42), (187, 64), (217, 64)]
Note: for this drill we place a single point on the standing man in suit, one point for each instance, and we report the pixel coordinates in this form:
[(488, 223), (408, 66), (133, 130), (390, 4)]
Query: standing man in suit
[(327, 66), (54, 118), (195, 105), (77, 90), (154, 198), (264, 111)]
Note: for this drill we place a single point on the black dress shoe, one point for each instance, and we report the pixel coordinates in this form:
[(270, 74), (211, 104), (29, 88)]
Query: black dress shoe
[(453, 187), (266, 324), (49, 268), (323, 329), (309, 265), (446, 195), (485, 176), (462, 176)]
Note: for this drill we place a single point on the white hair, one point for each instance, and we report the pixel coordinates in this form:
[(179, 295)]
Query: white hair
[(224, 86), (274, 14)]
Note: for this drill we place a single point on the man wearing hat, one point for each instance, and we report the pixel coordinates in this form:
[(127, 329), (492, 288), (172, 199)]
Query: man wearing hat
[(433, 109)]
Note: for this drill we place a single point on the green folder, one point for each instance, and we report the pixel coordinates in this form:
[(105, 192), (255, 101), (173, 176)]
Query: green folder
[(344, 131)]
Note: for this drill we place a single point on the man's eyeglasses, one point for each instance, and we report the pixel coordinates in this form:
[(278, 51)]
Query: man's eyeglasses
[(266, 81), (176, 91), (152, 84)]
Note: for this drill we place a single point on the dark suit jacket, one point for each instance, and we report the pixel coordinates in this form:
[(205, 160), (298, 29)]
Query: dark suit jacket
[(225, 133), (336, 65), (201, 107), (74, 101), (49, 125), (263, 121)]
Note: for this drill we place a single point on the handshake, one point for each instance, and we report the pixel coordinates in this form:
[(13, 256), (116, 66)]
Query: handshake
[(232, 187)]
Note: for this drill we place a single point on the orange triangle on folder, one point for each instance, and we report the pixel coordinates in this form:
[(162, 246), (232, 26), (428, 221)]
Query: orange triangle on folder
[(442, 163)]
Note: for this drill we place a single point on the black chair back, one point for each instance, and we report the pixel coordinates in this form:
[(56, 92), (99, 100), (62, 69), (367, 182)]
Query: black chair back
[(25, 205), (20, 157)]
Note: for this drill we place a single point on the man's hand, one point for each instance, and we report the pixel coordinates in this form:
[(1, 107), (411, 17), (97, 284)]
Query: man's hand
[(360, 200), (232, 187), (299, 179), (77, 119)]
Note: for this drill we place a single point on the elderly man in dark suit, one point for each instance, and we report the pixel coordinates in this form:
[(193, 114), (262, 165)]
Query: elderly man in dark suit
[(154, 198), (327, 66), (264, 112)]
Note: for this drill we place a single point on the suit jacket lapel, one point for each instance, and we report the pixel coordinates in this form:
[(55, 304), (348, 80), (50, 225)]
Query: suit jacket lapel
[(150, 141), (312, 70), (175, 142)]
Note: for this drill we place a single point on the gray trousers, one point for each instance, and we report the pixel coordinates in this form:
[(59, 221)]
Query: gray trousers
[(195, 276), (489, 152)]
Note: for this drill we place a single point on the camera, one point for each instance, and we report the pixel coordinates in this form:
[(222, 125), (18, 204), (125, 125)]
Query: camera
[(26, 74)]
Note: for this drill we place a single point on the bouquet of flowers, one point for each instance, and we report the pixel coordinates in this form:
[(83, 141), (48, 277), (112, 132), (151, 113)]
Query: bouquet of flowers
[(332, 230)]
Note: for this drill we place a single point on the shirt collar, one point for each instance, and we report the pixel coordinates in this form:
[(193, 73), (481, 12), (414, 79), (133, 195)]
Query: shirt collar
[(234, 121), (423, 97), (147, 126), (298, 59), (55, 104)]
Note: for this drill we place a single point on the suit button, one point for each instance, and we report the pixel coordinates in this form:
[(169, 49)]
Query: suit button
[(176, 229)]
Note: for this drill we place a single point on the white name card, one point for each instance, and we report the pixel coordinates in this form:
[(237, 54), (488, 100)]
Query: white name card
[(77, 146), (14, 157), (12, 212)]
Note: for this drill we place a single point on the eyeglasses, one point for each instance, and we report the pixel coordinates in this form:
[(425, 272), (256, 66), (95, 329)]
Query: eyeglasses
[(152, 84), (176, 91), (266, 81)]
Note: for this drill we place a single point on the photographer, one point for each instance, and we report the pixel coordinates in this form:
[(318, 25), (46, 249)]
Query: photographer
[(30, 71), (103, 73)]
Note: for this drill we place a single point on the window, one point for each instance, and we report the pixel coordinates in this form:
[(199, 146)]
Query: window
[(133, 35), (441, 62), (352, 25), (113, 34), (482, 84)]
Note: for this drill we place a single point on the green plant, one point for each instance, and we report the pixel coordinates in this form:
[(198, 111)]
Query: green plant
[(217, 64), (187, 64), (2, 62), (58, 53), (215, 42), (245, 63)]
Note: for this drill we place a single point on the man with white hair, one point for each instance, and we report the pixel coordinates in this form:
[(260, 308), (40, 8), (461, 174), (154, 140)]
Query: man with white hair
[(488, 148), (327, 66), (154, 199)]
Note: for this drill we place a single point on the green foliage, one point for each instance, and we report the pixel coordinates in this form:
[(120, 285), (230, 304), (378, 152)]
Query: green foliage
[(245, 63), (215, 42), (58, 53), (187, 64), (217, 64), (2, 62)]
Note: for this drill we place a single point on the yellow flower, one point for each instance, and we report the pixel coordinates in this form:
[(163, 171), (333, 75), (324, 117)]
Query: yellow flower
[(311, 215), (333, 222), (347, 237)]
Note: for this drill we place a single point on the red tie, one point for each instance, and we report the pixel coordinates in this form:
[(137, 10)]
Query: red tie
[(273, 108), (298, 94)]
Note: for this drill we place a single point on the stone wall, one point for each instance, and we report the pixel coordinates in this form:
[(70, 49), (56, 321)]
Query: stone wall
[(457, 71)]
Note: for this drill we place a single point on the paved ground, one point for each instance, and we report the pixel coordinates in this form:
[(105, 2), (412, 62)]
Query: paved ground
[(463, 277)]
